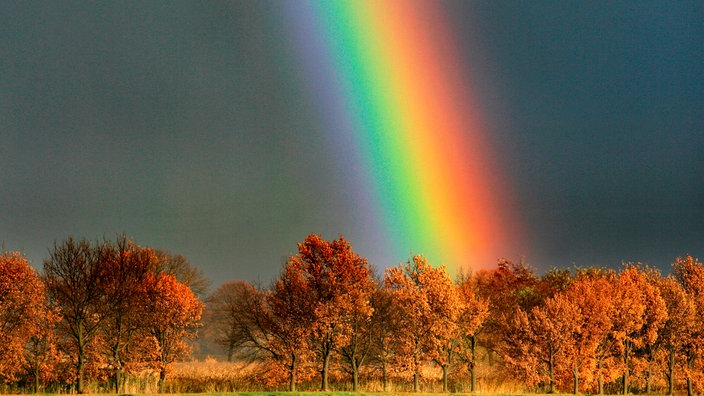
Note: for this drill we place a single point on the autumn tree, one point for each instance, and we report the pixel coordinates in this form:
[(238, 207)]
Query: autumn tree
[(356, 345), (511, 285), (22, 308), (602, 364), (170, 312), (183, 271), (428, 307), (449, 343), (384, 327), (74, 277), (590, 293), (262, 324), (509, 288), (640, 312), (554, 325), (678, 331), (512, 290), (289, 317), (473, 313), (229, 314), (41, 354), (339, 285), (690, 273), (127, 268), (656, 317), (517, 347), (535, 343)]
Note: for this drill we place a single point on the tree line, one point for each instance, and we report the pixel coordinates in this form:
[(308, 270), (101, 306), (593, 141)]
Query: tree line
[(99, 311), (593, 330)]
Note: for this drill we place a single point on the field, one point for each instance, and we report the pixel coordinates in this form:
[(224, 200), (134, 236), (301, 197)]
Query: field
[(357, 394), (217, 377)]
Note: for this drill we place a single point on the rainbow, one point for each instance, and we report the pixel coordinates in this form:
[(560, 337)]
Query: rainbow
[(391, 83)]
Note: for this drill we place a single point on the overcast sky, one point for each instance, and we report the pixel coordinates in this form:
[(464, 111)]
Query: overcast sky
[(185, 126)]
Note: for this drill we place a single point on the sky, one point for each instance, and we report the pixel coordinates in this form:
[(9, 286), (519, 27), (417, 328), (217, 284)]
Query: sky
[(196, 127)]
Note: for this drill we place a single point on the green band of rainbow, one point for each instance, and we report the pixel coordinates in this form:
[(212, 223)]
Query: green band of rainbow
[(417, 128)]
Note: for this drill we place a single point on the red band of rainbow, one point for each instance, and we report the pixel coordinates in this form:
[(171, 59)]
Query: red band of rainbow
[(392, 79)]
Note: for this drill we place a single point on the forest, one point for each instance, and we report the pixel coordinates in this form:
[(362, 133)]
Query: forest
[(102, 314)]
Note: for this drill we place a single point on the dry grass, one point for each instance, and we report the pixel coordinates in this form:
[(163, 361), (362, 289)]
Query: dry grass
[(211, 376), (216, 377)]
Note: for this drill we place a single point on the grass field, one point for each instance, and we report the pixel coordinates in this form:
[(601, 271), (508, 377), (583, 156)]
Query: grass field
[(324, 394), (210, 377)]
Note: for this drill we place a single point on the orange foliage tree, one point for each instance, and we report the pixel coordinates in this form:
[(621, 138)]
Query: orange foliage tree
[(690, 272), (385, 322), (516, 347), (677, 333), (41, 355), (590, 292), (535, 343), (22, 309), (170, 313), (339, 285), (448, 342), (289, 318), (127, 269), (512, 290), (356, 345), (508, 288), (608, 340), (553, 326), (428, 307), (473, 314), (657, 315), (640, 312)]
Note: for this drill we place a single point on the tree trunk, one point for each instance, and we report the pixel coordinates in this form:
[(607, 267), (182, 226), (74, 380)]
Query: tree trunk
[(444, 378), (116, 347), (162, 378), (416, 386), (385, 376), (575, 375), (118, 379), (551, 371), (648, 379), (36, 379), (292, 373), (690, 382), (80, 368), (355, 378), (671, 373), (472, 372), (600, 379), (324, 373), (626, 368)]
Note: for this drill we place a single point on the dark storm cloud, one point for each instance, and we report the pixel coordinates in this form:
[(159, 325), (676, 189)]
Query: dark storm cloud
[(186, 125), (176, 123), (602, 119)]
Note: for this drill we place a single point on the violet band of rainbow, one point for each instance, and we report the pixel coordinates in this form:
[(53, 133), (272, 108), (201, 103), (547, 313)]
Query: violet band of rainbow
[(393, 84)]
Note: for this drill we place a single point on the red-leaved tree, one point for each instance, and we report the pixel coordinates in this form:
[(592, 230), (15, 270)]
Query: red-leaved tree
[(428, 307), (170, 313), (22, 310), (690, 272)]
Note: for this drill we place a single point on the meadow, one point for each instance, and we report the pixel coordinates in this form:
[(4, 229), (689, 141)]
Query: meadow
[(210, 376)]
